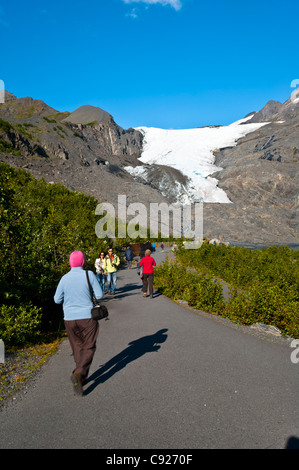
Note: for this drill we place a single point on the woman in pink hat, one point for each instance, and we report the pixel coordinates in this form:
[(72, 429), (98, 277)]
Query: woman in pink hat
[(73, 292)]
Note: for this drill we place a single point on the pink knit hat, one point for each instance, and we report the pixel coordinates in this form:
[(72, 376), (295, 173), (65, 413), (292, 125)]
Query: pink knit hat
[(77, 259)]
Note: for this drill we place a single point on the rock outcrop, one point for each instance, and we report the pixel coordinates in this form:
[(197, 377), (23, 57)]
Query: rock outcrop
[(87, 156), (260, 176)]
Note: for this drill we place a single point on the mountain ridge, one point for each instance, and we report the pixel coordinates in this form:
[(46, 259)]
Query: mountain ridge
[(275, 110), (259, 174)]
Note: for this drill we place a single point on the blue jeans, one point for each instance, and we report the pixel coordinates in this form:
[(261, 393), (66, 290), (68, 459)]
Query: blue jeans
[(101, 278), (111, 281)]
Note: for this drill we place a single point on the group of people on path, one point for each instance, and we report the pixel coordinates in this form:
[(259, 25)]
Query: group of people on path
[(74, 294), (106, 268)]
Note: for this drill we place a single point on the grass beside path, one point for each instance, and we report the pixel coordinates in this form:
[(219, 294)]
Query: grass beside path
[(21, 365)]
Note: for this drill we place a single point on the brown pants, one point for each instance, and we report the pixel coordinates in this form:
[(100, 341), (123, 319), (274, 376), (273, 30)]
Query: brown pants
[(148, 280), (82, 335)]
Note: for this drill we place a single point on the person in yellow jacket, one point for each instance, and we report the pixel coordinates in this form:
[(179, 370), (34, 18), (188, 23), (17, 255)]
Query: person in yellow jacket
[(111, 263)]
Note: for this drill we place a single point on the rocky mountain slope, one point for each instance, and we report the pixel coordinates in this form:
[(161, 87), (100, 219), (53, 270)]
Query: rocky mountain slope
[(276, 111), (84, 150), (260, 175), (87, 151)]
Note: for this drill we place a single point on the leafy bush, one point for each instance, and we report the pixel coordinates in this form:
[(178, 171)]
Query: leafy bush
[(199, 291), (40, 225), (242, 266), (266, 303), (19, 325), (264, 283)]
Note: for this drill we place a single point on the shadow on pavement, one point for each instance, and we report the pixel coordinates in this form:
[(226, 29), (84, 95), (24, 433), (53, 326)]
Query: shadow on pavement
[(126, 290), (292, 443), (135, 350)]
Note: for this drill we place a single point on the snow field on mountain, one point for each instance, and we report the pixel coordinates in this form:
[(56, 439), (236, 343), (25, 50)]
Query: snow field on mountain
[(191, 152)]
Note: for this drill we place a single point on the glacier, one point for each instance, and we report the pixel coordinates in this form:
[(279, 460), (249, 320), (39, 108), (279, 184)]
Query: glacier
[(191, 152)]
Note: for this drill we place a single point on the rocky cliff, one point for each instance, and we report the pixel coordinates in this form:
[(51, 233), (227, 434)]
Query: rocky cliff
[(87, 156), (260, 176)]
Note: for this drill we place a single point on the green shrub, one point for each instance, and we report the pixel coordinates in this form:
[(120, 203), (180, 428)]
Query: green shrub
[(266, 303), (264, 283), (19, 325), (40, 225), (206, 295), (242, 266), (199, 291)]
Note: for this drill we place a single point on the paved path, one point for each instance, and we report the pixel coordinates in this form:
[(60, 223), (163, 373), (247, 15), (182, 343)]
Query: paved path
[(162, 377)]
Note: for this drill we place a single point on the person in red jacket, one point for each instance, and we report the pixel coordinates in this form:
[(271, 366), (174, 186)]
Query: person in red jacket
[(148, 263)]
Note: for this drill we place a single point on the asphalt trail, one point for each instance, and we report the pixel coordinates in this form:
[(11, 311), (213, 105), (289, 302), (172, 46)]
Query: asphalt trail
[(163, 377)]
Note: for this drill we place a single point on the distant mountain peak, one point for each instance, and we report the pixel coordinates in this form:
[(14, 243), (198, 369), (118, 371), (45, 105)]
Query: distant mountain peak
[(88, 114), (24, 108), (276, 111), (267, 112), (8, 97)]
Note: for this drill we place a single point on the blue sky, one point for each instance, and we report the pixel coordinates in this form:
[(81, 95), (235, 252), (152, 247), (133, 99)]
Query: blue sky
[(162, 63)]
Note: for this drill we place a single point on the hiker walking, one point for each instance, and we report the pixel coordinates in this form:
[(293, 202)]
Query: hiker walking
[(99, 266), (148, 263), (129, 255), (82, 331), (111, 262)]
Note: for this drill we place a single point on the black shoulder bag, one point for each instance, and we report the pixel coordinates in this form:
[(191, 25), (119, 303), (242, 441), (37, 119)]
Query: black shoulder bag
[(98, 311)]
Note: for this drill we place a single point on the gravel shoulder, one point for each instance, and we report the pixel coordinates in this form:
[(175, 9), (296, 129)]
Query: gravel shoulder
[(20, 366)]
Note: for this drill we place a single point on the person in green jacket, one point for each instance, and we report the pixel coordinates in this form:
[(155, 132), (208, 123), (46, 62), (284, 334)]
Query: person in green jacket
[(110, 268)]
